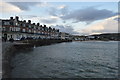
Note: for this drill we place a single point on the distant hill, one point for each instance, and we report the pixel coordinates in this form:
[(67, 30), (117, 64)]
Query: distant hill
[(107, 36), (104, 36)]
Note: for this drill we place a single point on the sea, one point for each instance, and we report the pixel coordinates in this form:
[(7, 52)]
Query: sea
[(77, 59)]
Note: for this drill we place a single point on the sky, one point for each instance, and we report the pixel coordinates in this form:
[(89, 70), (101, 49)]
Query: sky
[(77, 18)]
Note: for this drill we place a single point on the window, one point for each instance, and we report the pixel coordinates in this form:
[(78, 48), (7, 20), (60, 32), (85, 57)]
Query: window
[(17, 29), (11, 29), (14, 29), (29, 26), (19, 24), (11, 23), (6, 23), (3, 29), (42, 29), (23, 30), (24, 25), (29, 30), (34, 27), (34, 31), (0, 29), (16, 23)]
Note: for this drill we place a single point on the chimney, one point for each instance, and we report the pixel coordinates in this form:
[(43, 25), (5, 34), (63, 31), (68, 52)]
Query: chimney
[(38, 24), (44, 25), (11, 18), (33, 23), (58, 30), (53, 28), (29, 21), (17, 18), (24, 21), (50, 28)]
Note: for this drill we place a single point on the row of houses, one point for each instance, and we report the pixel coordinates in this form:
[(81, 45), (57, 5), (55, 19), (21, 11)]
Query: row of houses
[(17, 30)]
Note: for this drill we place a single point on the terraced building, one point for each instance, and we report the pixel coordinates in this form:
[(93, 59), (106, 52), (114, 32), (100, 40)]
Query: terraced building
[(16, 29)]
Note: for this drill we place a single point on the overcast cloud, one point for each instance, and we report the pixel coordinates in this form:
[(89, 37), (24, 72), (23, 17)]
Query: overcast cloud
[(48, 21), (65, 28), (108, 25), (24, 5), (58, 11), (89, 15)]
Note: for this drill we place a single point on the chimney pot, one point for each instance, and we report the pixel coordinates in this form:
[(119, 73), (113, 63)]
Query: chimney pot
[(24, 21), (44, 25), (11, 18), (29, 21), (38, 24), (33, 23), (17, 18)]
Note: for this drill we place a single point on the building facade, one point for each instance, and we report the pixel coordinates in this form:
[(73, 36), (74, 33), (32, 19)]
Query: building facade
[(17, 30), (64, 35)]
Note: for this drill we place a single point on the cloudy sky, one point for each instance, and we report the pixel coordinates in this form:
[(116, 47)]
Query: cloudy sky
[(80, 18)]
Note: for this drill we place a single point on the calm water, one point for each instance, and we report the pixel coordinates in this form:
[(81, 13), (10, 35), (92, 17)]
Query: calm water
[(68, 60)]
